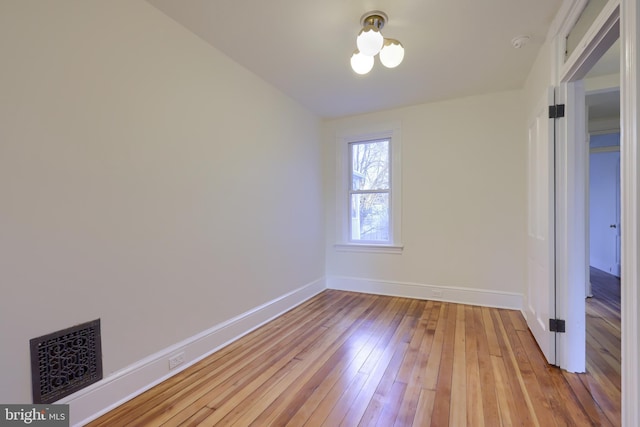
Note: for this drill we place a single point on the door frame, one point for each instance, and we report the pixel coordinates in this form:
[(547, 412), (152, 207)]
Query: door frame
[(630, 208), (627, 24), (572, 191)]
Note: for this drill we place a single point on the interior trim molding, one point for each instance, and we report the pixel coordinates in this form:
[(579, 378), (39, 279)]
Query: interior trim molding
[(611, 149), (630, 212), (602, 33), (96, 400), (355, 247), (453, 294)]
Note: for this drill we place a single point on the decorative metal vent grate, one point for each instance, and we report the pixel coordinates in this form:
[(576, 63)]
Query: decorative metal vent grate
[(65, 361)]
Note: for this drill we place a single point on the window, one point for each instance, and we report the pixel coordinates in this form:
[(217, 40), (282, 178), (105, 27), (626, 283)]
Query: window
[(368, 191)]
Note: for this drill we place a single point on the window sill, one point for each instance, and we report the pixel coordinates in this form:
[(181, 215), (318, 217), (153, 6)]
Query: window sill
[(360, 247)]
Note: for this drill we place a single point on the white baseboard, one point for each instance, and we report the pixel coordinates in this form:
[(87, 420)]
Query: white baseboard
[(105, 395), (481, 297)]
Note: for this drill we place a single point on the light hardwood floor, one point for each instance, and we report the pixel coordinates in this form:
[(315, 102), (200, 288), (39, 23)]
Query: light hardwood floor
[(353, 359)]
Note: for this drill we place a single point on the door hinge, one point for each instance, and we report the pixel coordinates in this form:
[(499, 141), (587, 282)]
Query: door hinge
[(556, 325), (556, 111)]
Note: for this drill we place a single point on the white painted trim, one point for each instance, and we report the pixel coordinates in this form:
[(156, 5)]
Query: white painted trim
[(105, 395), (454, 294), (630, 209), (611, 149), (604, 126), (564, 21), (355, 247), (371, 131), (602, 84), (601, 35), (566, 18)]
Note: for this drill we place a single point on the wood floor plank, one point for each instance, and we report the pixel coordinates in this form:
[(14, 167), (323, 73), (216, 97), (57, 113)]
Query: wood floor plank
[(384, 393), (347, 387), (408, 406), (490, 331), (351, 359), (474, 401), (487, 378), (458, 405), (392, 405), (388, 363), (424, 411), (592, 410), (413, 352), (525, 411), (442, 404), (506, 406), (311, 358), (319, 361), (436, 324)]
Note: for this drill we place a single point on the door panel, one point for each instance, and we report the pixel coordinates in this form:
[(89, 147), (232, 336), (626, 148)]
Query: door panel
[(540, 305)]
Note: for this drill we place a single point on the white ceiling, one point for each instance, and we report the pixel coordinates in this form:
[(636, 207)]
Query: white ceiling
[(453, 48)]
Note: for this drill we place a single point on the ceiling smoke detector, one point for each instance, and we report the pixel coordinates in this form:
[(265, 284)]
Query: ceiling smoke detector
[(519, 41)]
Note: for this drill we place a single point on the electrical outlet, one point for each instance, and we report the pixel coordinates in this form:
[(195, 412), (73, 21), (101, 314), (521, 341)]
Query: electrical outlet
[(176, 360)]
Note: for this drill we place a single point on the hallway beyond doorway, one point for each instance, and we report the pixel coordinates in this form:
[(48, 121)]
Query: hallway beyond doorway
[(602, 379)]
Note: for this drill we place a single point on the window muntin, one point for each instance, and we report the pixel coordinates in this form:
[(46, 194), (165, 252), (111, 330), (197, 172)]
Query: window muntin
[(370, 191)]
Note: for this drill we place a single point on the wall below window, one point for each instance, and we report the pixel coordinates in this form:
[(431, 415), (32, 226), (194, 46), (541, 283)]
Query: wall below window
[(464, 203), (146, 180)]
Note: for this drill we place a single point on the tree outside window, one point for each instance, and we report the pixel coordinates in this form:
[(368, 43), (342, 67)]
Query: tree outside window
[(369, 192)]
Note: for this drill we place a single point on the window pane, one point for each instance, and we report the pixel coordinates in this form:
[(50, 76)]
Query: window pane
[(587, 17), (370, 165), (370, 217)]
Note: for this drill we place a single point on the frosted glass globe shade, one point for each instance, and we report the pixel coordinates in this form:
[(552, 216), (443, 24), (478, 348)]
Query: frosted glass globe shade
[(361, 63), (392, 53), (369, 40)]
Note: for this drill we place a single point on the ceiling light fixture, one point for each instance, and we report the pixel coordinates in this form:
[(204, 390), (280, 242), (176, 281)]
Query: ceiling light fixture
[(370, 42)]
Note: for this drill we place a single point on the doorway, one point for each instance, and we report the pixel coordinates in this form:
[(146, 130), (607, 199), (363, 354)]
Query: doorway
[(603, 313), (623, 19), (604, 203)]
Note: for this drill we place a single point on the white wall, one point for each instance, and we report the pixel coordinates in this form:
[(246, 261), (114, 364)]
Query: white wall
[(145, 179), (539, 80), (463, 210)]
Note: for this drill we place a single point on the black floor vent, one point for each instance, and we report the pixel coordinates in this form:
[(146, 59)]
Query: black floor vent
[(65, 361)]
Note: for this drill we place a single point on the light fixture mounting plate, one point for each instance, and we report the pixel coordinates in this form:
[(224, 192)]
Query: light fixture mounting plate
[(377, 18)]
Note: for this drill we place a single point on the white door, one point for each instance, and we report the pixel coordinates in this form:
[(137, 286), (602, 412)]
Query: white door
[(540, 301), (604, 211)]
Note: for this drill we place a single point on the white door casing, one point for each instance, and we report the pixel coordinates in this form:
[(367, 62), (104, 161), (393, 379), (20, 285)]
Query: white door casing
[(630, 209), (629, 13), (571, 160)]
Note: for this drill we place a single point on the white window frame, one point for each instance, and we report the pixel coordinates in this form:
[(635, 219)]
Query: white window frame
[(344, 140)]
